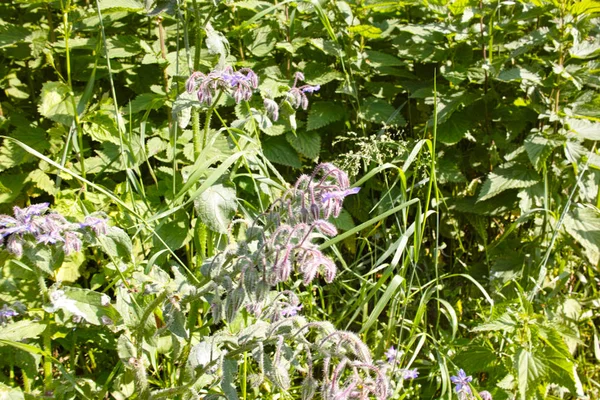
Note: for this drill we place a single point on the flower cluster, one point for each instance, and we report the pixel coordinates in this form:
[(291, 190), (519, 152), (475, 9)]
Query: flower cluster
[(301, 215), (240, 84), (463, 388), (36, 225), (296, 96), (392, 358)]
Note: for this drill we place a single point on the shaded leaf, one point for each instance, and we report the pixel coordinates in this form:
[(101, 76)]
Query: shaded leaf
[(306, 143), (323, 113), (509, 177)]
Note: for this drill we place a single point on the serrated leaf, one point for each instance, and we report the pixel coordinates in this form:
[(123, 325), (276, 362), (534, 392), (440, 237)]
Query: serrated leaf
[(538, 149), (264, 41), (455, 128), (317, 73), (10, 34), (381, 112), (42, 181), (583, 224), (56, 102), (323, 113), (121, 5), (510, 177), (367, 31), (519, 74), (379, 59), (216, 206), (529, 368), (20, 330), (278, 150), (306, 143), (147, 101), (585, 49), (584, 128), (503, 323)]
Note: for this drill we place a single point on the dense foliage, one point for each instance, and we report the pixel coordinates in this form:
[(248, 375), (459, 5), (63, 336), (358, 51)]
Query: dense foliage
[(439, 236)]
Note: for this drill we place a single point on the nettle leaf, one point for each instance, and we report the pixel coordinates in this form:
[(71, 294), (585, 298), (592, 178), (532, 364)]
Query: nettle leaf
[(147, 101), (529, 368), (264, 41), (379, 59), (583, 224), (319, 74), (505, 323), (585, 50), (10, 34), (306, 143), (584, 128), (175, 233), (42, 181), (539, 148), (121, 5), (216, 206), (514, 176), (278, 150), (366, 31), (323, 113), (12, 155), (456, 127), (381, 112), (326, 46), (20, 330), (519, 74), (56, 102)]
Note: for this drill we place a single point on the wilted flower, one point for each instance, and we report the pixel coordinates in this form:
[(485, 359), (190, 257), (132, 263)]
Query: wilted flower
[(461, 380)]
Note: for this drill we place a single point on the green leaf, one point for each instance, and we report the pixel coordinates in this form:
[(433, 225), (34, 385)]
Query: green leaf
[(12, 155), (583, 224), (323, 113), (264, 41), (90, 305), (538, 149), (306, 143), (505, 323), (228, 382), (455, 128), (379, 59), (278, 150), (509, 177), (20, 330), (117, 243), (366, 31), (585, 50), (584, 128), (11, 34), (42, 181), (10, 393), (529, 368), (519, 74), (216, 206), (121, 5), (56, 102), (147, 101), (381, 112)]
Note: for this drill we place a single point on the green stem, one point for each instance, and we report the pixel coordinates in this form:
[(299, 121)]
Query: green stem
[(196, 132)]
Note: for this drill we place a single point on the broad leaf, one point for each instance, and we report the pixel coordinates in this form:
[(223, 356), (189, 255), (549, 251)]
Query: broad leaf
[(529, 368), (323, 113), (306, 143), (509, 177), (216, 206), (583, 224)]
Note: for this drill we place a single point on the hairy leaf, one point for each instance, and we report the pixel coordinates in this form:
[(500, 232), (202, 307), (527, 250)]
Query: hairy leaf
[(216, 206), (509, 177)]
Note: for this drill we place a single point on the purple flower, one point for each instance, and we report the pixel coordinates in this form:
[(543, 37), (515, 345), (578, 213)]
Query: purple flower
[(310, 89), (410, 373), (50, 237), (7, 312), (291, 310), (272, 109), (462, 382), (485, 395), (98, 225), (391, 355), (242, 82), (339, 194)]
